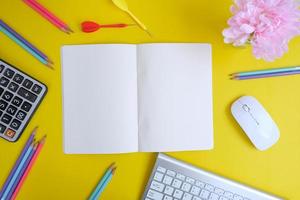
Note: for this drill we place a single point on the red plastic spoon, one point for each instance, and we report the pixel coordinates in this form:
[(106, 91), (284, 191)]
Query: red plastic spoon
[(89, 26)]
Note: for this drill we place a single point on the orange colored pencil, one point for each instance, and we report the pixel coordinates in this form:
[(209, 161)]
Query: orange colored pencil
[(38, 150)]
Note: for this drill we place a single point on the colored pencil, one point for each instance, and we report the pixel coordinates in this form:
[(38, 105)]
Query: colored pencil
[(21, 172), (44, 12), (9, 187), (266, 75), (267, 71), (106, 182), (12, 172), (29, 50), (29, 167), (102, 181), (23, 40)]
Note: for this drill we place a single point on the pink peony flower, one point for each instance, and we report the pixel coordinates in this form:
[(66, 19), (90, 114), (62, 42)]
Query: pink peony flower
[(268, 25)]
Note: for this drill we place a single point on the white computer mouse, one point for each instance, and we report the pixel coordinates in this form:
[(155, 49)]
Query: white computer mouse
[(256, 122)]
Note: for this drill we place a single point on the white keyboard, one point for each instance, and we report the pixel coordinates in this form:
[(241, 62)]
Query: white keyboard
[(172, 179)]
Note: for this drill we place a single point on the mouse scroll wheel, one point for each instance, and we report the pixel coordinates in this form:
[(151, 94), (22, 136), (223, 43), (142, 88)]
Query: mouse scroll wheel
[(246, 108)]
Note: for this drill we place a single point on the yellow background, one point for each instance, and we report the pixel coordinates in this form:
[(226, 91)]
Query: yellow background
[(59, 176)]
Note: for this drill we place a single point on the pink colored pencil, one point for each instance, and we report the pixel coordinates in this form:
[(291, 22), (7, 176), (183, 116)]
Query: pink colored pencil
[(22, 180), (48, 15)]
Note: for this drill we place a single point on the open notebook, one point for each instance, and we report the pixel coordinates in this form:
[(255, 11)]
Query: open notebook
[(121, 98)]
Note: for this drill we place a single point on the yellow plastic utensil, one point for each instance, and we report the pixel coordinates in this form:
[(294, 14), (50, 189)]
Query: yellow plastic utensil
[(123, 6)]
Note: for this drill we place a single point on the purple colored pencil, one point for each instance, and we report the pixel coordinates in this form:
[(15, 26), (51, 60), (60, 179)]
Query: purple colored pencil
[(23, 40), (21, 173), (266, 75), (12, 172)]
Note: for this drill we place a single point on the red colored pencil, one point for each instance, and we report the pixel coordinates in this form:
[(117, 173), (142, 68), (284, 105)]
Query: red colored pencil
[(48, 15), (38, 150)]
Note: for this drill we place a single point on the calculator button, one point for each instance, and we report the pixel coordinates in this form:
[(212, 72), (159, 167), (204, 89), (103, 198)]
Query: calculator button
[(1, 113), (13, 87), (9, 73), (25, 106), (4, 81), (7, 96), (17, 101), (18, 78), (10, 133), (11, 110), (21, 115), (27, 83), (27, 95), (36, 89), (1, 90), (3, 105), (15, 124), (6, 118), (2, 128), (1, 68)]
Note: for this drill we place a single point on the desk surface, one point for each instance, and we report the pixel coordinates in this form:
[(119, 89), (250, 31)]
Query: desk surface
[(58, 176)]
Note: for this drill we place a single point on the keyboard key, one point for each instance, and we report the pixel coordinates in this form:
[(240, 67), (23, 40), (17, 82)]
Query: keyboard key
[(195, 190), (196, 198), (4, 81), (10, 133), (11, 110), (167, 180), (187, 196), (6, 118), (154, 195), (7, 96), (13, 87), (158, 176), (1, 68), (27, 83), (213, 196), (9, 73), (178, 194), (237, 197), (15, 124), (27, 95), (169, 190), (161, 169), (168, 198), (21, 115), (176, 183), (200, 184), (1, 91), (228, 195), (18, 78), (157, 186), (1, 112), (223, 198), (171, 173), (2, 128), (204, 194), (36, 89), (17, 101), (3, 104), (186, 187), (219, 191), (180, 176), (190, 180), (26, 106), (209, 187)]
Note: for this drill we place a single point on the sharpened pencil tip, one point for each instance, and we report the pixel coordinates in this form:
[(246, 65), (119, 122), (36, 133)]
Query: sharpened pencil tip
[(42, 141), (34, 130), (49, 65)]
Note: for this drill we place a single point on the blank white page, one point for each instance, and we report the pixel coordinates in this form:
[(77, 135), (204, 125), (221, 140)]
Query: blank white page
[(100, 99), (175, 97)]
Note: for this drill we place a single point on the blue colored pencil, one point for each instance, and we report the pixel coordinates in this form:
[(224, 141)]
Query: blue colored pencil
[(267, 71), (21, 172), (266, 75), (22, 39), (106, 182), (9, 187), (12, 172), (12, 37), (103, 180)]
